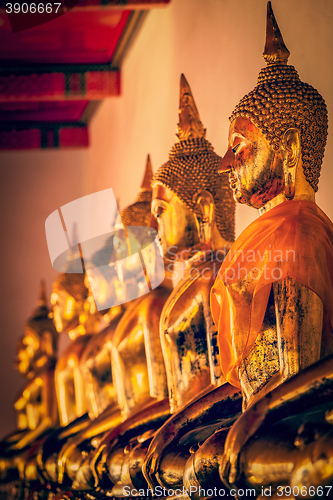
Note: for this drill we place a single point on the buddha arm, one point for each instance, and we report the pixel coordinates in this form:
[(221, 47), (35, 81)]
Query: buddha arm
[(223, 402), (43, 384), (299, 323), (299, 320)]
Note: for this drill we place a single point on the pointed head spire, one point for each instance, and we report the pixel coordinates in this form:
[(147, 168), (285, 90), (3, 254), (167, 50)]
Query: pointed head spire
[(148, 175), (74, 257), (146, 190), (275, 51), (189, 125), (41, 323), (71, 279), (75, 238), (138, 213), (42, 307), (42, 301)]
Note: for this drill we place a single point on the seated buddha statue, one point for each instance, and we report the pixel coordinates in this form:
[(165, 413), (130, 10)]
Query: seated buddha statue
[(137, 361), (68, 298), (272, 301), (96, 361), (96, 364), (195, 217), (94, 367), (36, 407), (72, 316), (123, 364)]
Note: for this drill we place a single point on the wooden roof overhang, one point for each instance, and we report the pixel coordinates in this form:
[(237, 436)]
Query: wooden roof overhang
[(53, 76)]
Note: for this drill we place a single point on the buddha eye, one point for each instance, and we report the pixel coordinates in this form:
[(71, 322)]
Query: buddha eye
[(160, 212)]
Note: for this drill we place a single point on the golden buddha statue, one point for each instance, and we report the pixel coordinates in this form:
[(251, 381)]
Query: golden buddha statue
[(273, 299), (73, 315), (95, 364), (137, 361), (195, 217), (96, 372), (122, 365), (36, 408), (68, 299)]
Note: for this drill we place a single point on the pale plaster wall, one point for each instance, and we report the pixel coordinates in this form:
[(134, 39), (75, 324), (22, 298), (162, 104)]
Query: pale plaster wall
[(217, 44)]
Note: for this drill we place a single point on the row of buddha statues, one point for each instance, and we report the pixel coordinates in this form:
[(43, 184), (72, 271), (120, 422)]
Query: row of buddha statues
[(219, 381)]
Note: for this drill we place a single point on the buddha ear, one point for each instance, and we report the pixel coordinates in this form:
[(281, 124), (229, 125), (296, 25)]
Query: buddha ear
[(291, 146), (204, 213)]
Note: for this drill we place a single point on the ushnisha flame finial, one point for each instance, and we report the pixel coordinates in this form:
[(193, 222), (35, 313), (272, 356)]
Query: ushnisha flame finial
[(275, 51), (41, 308), (148, 176), (189, 125), (138, 213), (42, 301)]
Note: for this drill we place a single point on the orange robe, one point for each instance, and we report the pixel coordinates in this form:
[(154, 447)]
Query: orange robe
[(293, 239)]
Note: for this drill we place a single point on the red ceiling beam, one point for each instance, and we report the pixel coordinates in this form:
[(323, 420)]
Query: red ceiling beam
[(52, 136), (91, 85)]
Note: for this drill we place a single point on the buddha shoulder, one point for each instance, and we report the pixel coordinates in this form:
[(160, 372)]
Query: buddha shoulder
[(192, 290), (72, 352)]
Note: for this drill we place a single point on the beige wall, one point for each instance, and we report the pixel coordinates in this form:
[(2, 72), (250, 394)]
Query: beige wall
[(217, 44)]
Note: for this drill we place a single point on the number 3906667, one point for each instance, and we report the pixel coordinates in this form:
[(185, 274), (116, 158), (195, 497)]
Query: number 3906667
[(32, 8)]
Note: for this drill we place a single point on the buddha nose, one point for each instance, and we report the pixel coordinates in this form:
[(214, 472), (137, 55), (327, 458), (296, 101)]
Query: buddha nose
[(226, 162)]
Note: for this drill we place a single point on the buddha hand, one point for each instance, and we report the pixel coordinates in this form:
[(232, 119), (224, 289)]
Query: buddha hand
[(163, 440), (240, 433)]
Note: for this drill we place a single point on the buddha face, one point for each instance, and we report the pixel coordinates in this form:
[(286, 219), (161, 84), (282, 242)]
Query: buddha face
[(28, 348), (65, 314), (255, 169), (177, 228)]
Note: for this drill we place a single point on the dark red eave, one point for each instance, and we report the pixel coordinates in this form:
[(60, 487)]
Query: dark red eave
[(78, 37), (65, 136), (59, 111)]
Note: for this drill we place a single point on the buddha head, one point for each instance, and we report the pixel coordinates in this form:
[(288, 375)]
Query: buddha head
[(278, 132), (192, 207), (39, 341), (99, 276), (69, 294), (130, 239), (114, 268)]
